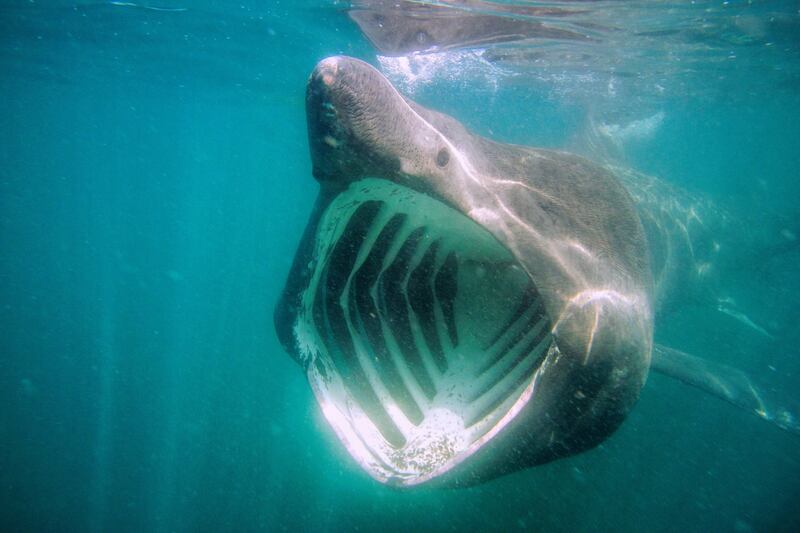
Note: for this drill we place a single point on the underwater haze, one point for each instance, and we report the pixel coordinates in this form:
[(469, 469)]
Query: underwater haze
[(155, 181)]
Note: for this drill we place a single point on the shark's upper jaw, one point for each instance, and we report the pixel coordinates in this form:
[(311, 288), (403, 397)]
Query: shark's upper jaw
[(420, 334)]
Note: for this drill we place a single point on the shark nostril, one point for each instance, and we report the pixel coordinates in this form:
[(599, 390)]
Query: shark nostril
[(442, 157)]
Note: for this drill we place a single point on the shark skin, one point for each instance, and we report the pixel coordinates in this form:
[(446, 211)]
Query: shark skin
[(463, 308)]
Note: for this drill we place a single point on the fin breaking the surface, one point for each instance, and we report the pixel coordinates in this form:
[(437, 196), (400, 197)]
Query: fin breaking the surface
[(730, 384)]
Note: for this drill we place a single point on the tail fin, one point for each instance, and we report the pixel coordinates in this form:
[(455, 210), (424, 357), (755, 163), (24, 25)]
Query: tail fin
[(729, 384)]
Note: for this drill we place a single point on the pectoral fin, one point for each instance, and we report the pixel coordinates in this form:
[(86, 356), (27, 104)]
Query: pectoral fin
[(730, 384)]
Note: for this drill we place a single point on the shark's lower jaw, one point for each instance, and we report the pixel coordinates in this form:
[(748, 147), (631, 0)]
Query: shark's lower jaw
[(421, 335)]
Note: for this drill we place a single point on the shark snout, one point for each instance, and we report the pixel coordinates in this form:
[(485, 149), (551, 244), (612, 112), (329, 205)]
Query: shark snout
[(329, 129), (326, 70), (350, 114), (338, 76)]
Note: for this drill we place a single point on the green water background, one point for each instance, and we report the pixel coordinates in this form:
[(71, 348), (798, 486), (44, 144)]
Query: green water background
[(154, 182)]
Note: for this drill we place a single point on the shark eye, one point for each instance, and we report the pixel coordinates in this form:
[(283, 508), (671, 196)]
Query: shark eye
[(442, 157)]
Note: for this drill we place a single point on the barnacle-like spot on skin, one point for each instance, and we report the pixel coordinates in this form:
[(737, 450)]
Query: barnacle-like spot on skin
[(442, 157)]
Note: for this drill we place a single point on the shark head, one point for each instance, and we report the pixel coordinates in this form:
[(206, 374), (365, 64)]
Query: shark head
[(462, 308)]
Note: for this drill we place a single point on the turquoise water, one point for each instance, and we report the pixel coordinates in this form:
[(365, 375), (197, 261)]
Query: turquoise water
[(155, 181)]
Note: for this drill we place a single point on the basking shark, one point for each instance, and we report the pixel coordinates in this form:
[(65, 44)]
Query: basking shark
[(464, 308)]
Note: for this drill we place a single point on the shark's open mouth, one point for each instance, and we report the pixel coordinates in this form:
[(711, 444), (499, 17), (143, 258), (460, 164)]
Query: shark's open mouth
[(422, 336)]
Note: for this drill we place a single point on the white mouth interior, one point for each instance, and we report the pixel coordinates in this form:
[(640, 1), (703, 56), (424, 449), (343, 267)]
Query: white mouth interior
[(421, 334)]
